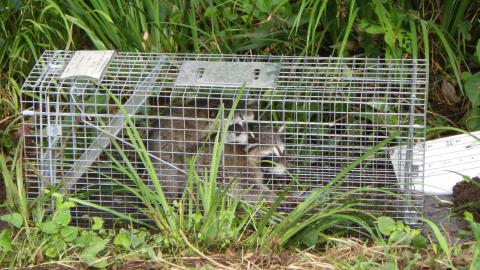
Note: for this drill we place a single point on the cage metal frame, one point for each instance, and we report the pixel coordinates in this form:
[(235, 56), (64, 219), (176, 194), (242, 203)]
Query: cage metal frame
[(355, 101)]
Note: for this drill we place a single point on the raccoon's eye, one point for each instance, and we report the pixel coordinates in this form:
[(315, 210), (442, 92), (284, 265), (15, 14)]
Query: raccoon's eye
[(234, 127), (251, 139)]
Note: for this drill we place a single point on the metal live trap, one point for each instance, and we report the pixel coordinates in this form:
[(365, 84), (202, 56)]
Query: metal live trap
[(299, 121)]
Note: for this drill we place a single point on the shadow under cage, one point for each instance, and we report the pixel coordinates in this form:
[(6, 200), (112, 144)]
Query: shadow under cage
[(298, 122)]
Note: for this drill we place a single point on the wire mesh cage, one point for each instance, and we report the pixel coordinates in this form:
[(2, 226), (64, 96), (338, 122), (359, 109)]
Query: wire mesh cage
[(298, 122)]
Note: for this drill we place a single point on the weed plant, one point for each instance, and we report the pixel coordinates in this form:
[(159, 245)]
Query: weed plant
[(446, 33)]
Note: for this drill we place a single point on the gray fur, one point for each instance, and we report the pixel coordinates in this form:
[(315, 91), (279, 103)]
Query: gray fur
[(179, 136)]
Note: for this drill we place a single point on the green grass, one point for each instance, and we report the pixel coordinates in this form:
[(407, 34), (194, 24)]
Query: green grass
[(449, 34), (445, 33), (186, 230)]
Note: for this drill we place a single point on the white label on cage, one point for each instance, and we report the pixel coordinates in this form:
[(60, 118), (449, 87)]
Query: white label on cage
[(87, 64), (446, 160)]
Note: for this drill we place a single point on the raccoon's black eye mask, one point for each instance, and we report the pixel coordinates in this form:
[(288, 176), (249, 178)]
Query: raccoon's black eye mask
[(268, 161), (271, 158), (235, 127)]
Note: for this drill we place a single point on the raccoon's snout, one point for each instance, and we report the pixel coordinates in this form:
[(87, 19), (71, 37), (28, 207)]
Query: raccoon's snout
[(273, 165), (234, 138), (278, 169), (240, 138)]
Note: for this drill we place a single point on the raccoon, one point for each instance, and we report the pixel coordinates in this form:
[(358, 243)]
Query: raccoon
[(244, 166), (188, 125), (181, 134)]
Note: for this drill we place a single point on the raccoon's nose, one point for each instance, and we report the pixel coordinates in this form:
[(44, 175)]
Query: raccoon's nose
[(278, 169)]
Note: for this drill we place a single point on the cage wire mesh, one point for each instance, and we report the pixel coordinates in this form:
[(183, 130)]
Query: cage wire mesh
[(298, 123)]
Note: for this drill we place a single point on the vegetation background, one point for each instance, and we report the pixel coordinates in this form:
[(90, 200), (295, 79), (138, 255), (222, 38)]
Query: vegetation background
[(447, 33)]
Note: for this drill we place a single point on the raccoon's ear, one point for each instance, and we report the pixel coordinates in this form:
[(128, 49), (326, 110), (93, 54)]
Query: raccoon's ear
[(281, 129)]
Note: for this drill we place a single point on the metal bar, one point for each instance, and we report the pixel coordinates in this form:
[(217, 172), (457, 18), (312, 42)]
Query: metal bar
[(133, 104)]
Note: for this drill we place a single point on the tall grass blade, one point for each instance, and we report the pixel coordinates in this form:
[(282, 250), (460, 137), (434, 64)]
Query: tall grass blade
[(475, 264), (167, 215), (317, 198), (426, 42), (351, 19), (450, 53), (414, 37), (459, 130), (442, 241), (106, 210), (7, 177)]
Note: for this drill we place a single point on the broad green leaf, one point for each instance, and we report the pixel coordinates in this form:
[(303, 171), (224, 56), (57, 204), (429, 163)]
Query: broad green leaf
[(477, 49), (62, 217), (86, 237), (386, 225), (14, 219), (400, 226), (475, 264), (264, 5), (468, 216), (93, 261), (309, 238), (69, 233), (475, 226), (465, 75), (176, 17), (138, 239), (5, 241), (89, 254), (400, 237), (51, 252), (5, 139), (472, 89), (97, 223), (473, 118), (122, 240), (465, 28), (196, 217), (370, 28), (67, 205), (49, 227), (210, 11), (56, 248), (419, 242)]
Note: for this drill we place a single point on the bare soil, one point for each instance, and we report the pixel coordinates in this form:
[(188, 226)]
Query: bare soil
[(447, 211), (441, 210)]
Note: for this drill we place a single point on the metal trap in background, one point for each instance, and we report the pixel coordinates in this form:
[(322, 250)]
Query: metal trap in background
[(298, 123)]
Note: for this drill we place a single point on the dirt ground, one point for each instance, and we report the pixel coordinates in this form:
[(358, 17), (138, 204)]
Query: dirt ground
[(440, 209)]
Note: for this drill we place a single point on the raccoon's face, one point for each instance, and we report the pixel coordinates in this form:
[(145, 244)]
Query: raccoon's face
[(268, 149), (239, 130)]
